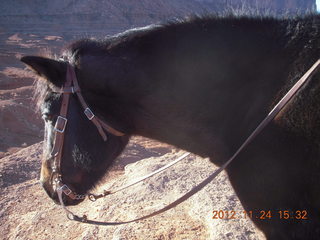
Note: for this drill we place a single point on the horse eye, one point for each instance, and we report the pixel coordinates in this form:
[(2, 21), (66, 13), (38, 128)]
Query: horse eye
[(47, 117)]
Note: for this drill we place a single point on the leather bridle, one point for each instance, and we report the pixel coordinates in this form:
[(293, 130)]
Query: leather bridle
[(71, 86)]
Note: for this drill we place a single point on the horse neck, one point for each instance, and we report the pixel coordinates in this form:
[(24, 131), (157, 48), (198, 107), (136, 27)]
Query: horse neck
[(205, 116), (203, 91)]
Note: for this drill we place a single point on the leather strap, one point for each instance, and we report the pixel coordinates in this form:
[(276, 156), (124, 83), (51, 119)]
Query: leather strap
[(71, 86), (94, 197), (61, 125), (90, 115), (273, 113)]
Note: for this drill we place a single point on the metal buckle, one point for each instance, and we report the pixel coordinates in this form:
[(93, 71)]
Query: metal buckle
[(66, 190), (89, 113), (60, 121)]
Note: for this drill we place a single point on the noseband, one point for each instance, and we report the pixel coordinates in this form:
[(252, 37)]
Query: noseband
[(71, 86)]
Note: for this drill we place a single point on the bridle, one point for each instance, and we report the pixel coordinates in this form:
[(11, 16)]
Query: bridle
[(71, 86)]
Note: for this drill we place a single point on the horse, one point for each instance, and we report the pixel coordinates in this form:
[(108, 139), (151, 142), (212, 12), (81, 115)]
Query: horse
[(203, 85)]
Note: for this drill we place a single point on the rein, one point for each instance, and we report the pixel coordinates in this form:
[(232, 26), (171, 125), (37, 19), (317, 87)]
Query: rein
[(60, 127)]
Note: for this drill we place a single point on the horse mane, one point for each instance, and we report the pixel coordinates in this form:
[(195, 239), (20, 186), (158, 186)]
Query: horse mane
[(94, 46), (294, 28)]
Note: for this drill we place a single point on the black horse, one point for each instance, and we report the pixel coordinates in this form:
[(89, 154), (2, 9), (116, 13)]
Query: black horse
[(202, 85)]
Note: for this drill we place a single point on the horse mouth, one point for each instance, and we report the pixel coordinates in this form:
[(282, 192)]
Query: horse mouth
[(67, 201)]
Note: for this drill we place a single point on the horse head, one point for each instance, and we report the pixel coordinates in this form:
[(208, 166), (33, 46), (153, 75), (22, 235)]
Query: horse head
[(85, 155)]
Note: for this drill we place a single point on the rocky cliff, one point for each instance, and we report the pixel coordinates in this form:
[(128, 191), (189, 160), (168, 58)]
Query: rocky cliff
[(144, 8), (130, 12)]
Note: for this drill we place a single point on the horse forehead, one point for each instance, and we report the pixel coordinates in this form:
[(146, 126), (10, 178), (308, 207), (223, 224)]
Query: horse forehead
[(51, 103)]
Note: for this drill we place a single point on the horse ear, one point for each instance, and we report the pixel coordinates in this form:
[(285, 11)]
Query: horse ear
[(54, 71)]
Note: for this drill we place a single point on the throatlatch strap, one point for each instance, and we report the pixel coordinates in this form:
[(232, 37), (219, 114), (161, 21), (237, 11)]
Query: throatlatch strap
[(96, 121)]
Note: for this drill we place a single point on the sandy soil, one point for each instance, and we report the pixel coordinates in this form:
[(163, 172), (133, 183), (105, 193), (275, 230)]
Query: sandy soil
[(27, 213)]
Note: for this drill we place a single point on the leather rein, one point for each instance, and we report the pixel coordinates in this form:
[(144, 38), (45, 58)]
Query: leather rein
[(71, 86)]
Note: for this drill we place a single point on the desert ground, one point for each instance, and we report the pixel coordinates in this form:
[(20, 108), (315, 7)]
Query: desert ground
[(26, 212)]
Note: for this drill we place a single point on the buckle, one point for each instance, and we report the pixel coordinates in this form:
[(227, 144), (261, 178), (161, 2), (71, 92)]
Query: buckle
[(66, 190), (89, 113), (60, 125)]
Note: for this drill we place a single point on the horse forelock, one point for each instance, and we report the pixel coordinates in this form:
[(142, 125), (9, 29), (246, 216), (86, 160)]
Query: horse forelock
[(42, 91)]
